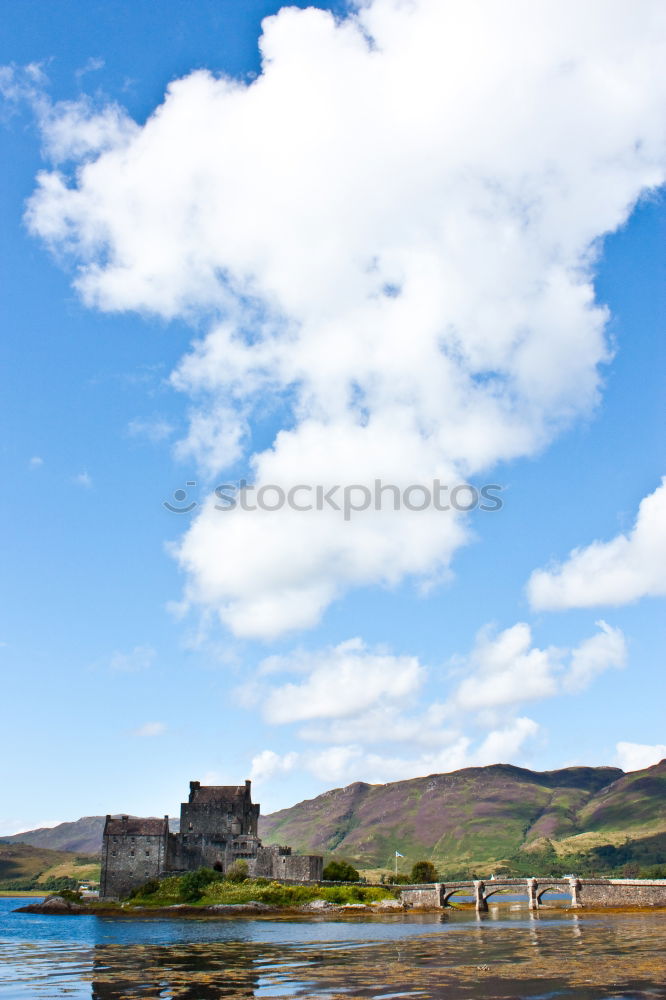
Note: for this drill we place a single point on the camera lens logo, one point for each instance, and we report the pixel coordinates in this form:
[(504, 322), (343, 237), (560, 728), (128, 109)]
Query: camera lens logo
[(180, 497)]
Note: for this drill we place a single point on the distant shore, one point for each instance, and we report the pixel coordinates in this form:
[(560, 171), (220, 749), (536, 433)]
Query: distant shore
[(15, 893)]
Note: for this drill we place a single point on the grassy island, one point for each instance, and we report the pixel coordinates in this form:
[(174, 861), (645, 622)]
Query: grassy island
[(206, 887), (209, 893)]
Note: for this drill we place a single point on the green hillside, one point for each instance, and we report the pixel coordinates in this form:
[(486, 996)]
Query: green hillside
[(636, 803), (483, 818), (23, 866)]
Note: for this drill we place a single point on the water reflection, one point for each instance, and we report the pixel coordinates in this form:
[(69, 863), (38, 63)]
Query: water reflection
[(193, 972), (457, 956), (486, 958)]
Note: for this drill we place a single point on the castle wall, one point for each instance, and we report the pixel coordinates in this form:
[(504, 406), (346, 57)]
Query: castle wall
[(300, 867), (306, 867), (278, 862), (130, 857)]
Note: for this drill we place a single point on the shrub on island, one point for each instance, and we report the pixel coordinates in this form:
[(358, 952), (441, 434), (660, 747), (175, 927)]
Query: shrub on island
[(340, 871), (424, 871)]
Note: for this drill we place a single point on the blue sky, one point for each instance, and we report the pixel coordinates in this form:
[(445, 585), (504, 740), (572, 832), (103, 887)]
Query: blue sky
[(375, 285)]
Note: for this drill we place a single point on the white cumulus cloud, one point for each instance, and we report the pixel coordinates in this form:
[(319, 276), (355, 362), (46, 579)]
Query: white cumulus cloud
[(626, 568), (505, 669), (341, 681), (384, 723), (391, 235), (636, 756), (368, 715), (343, 764), (605, 650), (214, 439), (267, 764)]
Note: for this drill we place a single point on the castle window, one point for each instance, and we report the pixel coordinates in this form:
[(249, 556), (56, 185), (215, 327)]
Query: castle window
[(147, 854), (113, 854), (131, 854)]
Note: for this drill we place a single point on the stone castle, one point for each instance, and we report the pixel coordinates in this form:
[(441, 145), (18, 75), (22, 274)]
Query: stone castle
[(218, 825)]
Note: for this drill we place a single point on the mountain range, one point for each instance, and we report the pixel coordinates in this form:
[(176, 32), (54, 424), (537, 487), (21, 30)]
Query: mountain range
[(82, 836), (475, 817), (480, 816)]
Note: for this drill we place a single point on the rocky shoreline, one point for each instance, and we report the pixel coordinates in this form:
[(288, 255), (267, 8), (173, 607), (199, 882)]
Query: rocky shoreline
[(57, 906)]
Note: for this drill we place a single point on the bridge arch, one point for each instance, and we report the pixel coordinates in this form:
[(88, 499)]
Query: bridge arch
[(463, 890), (562, 890), (508, 890)]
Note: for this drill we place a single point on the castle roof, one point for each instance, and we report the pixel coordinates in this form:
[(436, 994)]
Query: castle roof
[(136, 826), (218, 793)]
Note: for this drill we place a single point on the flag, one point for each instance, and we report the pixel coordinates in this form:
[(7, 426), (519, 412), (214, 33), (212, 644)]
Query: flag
[(399, 855)]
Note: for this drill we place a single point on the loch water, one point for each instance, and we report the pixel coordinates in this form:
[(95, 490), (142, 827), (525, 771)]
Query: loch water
[(507, 953)]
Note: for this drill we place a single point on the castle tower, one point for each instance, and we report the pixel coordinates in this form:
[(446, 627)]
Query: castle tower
[(218, 824)]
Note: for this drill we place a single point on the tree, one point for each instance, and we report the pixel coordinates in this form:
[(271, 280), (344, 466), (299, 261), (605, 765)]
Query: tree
[(193, 884), (424, 871), (238, 871), (340, 871)]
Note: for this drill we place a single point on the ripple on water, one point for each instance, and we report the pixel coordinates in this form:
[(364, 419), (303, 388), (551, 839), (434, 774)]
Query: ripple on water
[(506, 954)]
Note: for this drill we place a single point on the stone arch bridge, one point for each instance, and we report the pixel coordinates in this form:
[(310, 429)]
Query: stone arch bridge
[(592, 892)]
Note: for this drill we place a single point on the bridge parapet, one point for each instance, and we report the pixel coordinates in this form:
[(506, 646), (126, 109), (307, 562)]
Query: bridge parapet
[(582, 892)]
